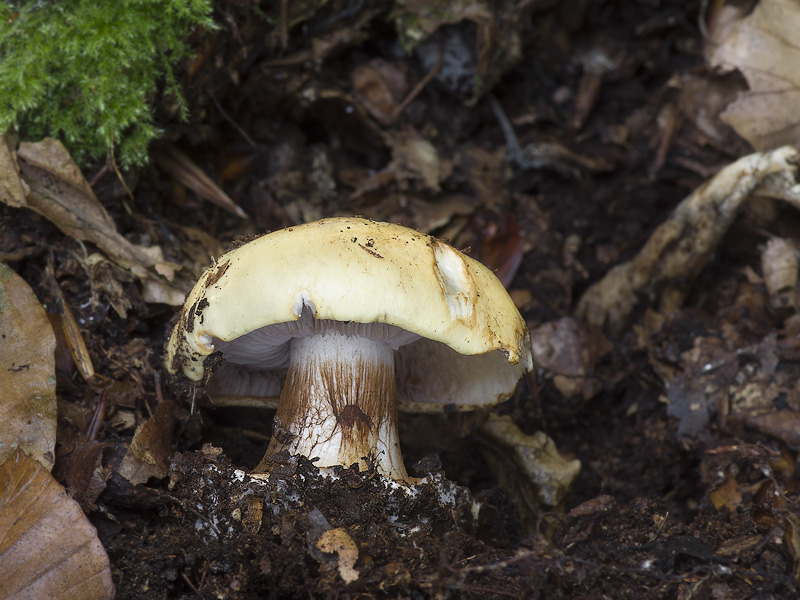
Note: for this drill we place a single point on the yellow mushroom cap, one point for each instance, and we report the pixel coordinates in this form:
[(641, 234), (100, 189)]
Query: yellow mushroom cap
[(473, 344)]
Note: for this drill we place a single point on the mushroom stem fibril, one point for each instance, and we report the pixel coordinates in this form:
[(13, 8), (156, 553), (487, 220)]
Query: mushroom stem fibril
[(338, 402), (348, 321)]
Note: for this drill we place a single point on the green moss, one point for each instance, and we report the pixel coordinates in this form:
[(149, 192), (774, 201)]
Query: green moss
[(87, 71)]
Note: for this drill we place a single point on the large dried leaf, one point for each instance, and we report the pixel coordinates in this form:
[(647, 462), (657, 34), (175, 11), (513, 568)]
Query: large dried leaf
[(764, 47), (48, 548), (27, 376)]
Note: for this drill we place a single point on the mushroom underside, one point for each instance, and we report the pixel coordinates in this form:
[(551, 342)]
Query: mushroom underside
[(336, 386)]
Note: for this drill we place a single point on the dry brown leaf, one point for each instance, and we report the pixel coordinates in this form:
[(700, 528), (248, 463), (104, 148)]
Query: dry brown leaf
[(12, 188), (428, 216), (28, 378), (72, 336), (151, 447), (48, 548), (728, 495), (763, 46), (781, 424), (681, 246), (59, 193)]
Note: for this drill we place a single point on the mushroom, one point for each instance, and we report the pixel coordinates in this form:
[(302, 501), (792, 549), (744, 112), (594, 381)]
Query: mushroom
[(344, 321)]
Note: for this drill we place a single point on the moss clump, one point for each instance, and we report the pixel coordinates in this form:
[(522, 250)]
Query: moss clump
[(86, 71)]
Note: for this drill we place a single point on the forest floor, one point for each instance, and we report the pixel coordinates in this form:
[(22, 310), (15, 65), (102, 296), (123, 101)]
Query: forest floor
[(547, 139)]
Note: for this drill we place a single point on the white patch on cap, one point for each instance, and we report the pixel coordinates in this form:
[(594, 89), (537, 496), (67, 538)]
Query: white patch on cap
[(303, 299), (206, 343), (454, 279)]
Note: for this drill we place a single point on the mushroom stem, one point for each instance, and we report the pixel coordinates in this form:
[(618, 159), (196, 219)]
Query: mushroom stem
[(338, 404)]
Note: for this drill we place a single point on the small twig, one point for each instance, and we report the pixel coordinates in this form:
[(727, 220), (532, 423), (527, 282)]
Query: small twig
[(98, 175), (284, 24), (97, 418), (508, 132), (230, 120), (187, 507), (422, 83), (157, 382), (519, 556), (191, 585), (121, 178)]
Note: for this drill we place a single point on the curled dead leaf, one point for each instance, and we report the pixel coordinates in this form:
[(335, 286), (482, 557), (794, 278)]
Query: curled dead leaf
[(727, 495), (338, 541), (151, 447), (379, 86)]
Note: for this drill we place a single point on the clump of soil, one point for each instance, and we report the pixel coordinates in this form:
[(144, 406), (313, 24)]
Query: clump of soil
[(216, 529)]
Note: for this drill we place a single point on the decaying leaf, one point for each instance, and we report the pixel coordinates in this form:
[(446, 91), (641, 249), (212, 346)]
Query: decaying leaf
[(781, 424), (494, 238), (792, 540), (151, 447), (763, 46), (780, 261), (569, 351), (80, 459), (48, 548), (379, 86), (429, 216), (338, 541), (72, 336), (534, 455), (680, 247), (28, 378), (728, 494), (12, 188), (416, 158), (59, 193)]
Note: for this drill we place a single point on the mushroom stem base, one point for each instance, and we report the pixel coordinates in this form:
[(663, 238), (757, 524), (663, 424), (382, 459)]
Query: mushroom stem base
[(338, 404)]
